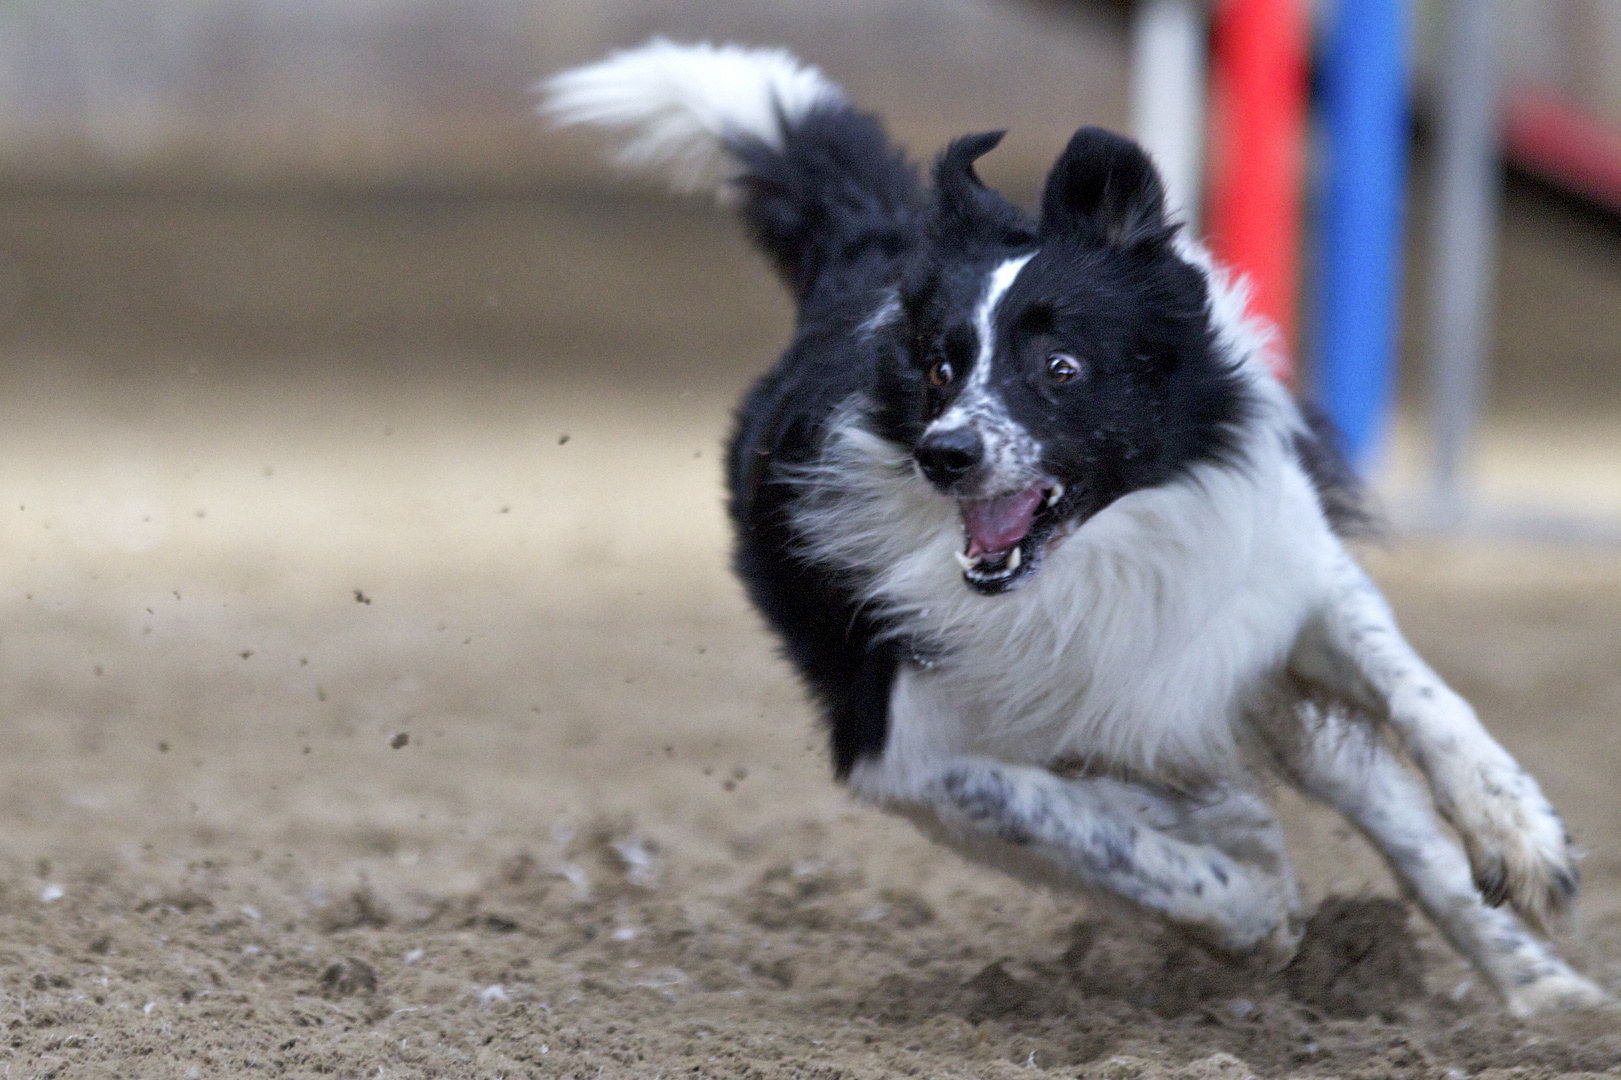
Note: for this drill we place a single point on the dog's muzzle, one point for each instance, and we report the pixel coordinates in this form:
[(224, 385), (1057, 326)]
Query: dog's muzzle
[(950, 456), (1006, 531)]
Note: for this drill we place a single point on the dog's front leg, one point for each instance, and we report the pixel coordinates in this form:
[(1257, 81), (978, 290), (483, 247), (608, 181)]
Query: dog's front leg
[(1517, 844), (1343, 760), (1213, 868)]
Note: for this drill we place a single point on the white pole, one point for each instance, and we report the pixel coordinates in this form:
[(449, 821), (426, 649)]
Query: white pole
[(1468, 182), (1168, 96)]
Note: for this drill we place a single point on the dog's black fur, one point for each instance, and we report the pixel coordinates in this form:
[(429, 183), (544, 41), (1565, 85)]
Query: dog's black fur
[(849, 226)]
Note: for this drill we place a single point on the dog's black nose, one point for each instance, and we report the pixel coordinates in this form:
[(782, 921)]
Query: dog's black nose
[(948, 456)]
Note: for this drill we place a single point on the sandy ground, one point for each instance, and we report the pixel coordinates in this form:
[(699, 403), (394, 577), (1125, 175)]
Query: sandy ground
[(376, 701), (360, 726)]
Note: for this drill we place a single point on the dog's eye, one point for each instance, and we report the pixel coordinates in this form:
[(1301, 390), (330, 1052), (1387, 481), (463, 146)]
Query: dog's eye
[(941, 373), (1062, 367)]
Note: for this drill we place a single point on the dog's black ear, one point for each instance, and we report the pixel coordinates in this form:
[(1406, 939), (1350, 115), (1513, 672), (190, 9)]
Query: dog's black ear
[(1106, 182), (964, 206)]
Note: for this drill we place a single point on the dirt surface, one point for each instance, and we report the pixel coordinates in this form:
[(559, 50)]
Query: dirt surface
[(362, 727), (378, 705)]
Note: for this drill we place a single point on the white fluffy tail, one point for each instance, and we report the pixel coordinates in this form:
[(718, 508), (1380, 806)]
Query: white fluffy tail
[(676, 105)]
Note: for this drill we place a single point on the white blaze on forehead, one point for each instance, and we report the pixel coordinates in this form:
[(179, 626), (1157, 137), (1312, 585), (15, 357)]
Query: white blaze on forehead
[(997, 283), (972, 397), (1012, 457)]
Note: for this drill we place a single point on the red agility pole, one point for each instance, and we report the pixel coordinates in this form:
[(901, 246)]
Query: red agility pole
[(1259, 91)]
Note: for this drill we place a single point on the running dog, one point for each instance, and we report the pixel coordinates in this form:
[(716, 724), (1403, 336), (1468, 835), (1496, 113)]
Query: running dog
[(1058, 557)]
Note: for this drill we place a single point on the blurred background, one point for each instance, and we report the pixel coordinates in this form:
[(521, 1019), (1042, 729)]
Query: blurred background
[(319, 261), (360, 511), (301, 303), (362, 185)]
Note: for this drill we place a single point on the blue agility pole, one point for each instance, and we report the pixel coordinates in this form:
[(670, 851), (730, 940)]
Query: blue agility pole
[(1364, 113)]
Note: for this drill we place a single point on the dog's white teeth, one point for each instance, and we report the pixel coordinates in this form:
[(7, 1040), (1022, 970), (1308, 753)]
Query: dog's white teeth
[(1055, 493), (979, 571)]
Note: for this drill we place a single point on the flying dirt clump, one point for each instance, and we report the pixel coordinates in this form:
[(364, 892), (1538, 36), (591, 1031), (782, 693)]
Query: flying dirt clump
[(1358, 959)]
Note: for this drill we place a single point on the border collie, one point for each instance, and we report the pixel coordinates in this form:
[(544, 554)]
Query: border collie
[(1057, 556)]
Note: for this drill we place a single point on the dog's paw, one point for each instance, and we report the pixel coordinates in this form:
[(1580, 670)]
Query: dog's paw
[(1556, 990), (1261, 932), (1278, 948), (1263, 947), (1519, 851)]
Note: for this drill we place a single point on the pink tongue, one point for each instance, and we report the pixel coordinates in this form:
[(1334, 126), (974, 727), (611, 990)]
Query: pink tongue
[(995, 525)]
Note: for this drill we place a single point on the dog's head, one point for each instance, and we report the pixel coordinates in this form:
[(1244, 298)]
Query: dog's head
[(1054, 365)]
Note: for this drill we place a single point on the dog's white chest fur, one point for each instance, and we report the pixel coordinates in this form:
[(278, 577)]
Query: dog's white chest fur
[(1141, 640)]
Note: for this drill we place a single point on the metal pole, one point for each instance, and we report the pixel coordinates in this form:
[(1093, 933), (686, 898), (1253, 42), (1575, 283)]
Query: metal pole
[(1467, 192), (1168, 96)]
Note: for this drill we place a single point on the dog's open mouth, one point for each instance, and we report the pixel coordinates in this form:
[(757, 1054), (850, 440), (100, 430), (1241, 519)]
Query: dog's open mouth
[(1007, 535)]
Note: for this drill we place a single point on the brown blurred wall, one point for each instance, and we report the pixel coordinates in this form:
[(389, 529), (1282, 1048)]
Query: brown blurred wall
[(362, 181), (1572, 47), (368, 92)]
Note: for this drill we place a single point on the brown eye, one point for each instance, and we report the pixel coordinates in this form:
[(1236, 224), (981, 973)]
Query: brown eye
[(941, 373), (1062, 367)]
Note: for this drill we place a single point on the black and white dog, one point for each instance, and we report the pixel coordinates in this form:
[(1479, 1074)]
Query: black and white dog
[(1054, 551)]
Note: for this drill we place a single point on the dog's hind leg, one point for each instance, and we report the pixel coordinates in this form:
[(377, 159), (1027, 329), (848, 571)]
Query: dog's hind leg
[(1212, 865), (1517, 844), (1346, 763)]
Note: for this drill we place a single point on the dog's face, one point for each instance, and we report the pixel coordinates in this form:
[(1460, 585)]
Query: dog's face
[(1054, 366)]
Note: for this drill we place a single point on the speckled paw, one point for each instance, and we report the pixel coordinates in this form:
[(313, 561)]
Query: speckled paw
[(1277, 950), (1557, 992), (1268, 952), (1518, 848)]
